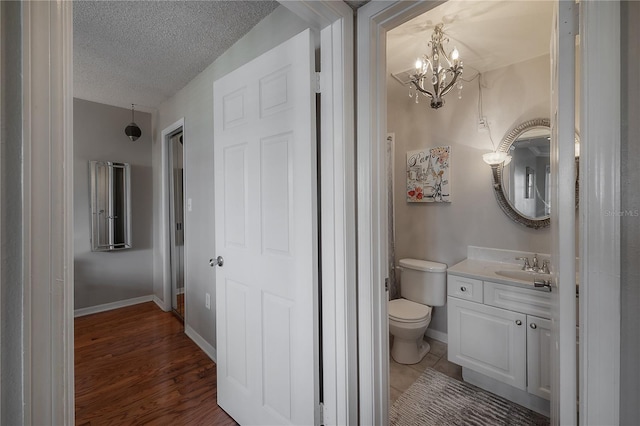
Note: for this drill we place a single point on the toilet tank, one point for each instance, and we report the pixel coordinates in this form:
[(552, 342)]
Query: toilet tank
[(423, 281)]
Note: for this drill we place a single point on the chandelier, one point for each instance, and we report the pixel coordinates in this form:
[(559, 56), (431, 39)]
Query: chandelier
[(439, 70)]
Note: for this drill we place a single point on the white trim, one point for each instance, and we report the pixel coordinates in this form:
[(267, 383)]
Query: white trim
[(337, 215), (337, 218), (48, 212), (563, 216), (201, 342), (158, 302), (374, 20), (112, 305), (600, 232), (438, 335), (165, 240)]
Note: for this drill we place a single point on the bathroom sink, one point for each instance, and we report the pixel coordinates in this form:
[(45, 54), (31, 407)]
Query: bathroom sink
[(521, 275)]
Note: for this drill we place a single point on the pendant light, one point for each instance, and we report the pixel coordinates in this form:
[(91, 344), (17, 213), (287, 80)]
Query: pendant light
[(132, 130), (437, 73)]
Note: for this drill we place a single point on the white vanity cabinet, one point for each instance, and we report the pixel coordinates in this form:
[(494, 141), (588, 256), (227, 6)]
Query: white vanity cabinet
[(504, 335), (488, 340)]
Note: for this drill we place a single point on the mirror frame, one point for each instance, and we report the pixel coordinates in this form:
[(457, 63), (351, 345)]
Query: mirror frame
[(496, 172), (97, 244)]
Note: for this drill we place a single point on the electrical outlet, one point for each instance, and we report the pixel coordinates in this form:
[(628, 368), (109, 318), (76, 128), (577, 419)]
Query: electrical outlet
[(207, 300), (483, 124)]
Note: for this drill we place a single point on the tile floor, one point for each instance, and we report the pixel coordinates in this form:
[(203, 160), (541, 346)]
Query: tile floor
[(402, 376)]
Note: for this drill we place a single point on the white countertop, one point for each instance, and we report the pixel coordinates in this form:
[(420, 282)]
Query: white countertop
[(486, 270)]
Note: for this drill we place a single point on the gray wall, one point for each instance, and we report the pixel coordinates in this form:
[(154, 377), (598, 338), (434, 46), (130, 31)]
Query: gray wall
[(630, 224), (11, 293), (440, 231), (195, 103), (104, 277)]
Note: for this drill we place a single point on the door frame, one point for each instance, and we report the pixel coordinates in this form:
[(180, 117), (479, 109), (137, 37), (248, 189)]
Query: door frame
[(47, 31), (600, 136), (374, 20), (600, 122), (165, 219), (337, 215), (47, 380)]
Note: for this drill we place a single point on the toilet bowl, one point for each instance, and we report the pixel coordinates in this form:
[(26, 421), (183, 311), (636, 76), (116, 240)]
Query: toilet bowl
[(422, 285), (408, 322)]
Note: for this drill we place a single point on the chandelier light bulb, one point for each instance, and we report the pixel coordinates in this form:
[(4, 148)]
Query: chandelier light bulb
[(455, 54), (419, 64)]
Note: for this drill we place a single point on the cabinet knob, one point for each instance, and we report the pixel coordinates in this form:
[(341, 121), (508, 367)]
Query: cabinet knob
[(533, 325), (463, 289), (518, 322)]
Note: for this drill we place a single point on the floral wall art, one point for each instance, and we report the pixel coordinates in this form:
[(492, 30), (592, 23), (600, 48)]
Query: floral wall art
[(428, 175)]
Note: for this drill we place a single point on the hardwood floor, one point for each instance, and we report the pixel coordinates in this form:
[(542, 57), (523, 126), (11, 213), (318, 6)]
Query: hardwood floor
[(135, 365)]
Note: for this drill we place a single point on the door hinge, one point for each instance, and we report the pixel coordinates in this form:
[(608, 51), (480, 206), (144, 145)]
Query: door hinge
[(318, 87), (321, 412), (386, 284)]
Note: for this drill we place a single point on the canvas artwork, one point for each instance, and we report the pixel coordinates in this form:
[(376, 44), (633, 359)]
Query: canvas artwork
[(428, 175)]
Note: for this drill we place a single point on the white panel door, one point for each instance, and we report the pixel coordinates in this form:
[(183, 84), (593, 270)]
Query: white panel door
[(266, 231), (563, 215)]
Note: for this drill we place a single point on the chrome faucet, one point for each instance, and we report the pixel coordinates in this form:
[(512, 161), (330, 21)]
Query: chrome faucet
[(545, 267), (526, 266), (535, 267)]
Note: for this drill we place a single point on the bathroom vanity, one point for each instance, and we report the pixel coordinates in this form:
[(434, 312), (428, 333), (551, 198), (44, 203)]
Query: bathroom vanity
[(499, 327)]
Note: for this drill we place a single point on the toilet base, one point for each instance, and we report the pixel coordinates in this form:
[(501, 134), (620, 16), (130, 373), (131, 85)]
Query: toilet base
[(409, 351)]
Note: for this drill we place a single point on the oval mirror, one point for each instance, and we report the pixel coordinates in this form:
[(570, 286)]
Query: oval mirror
[(522, 183)]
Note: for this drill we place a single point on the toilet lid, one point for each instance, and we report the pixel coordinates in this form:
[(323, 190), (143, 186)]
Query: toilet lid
[(407, 311)]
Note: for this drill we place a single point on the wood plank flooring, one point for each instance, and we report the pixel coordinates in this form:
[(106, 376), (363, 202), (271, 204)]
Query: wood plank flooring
[(135, 365)]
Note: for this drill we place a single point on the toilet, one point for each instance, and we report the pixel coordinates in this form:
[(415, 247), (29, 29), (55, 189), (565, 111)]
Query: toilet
[(423, 284)]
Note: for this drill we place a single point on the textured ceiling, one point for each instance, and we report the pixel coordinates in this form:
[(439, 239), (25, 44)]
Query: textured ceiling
[(488, 34), (143, 52)]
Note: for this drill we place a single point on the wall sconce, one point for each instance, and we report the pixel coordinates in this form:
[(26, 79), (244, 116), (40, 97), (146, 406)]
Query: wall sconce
[(132, 130), (496, 158)]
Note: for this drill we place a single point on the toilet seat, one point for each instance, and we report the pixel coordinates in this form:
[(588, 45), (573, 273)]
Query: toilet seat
[(406, 311)]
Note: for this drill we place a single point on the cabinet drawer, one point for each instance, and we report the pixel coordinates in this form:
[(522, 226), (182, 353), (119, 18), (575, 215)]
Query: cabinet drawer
[(464, 288), (527, 301)]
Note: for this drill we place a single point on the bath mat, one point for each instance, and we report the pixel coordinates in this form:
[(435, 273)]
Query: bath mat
[(436, 399)]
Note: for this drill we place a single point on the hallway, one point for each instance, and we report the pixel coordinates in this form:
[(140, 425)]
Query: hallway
[(135, 365)]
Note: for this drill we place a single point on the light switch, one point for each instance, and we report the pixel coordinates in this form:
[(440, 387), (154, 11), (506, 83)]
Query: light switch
[(189, 204)]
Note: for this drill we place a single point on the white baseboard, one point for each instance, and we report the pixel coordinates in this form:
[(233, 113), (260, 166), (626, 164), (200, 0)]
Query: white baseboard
[(199, 340), (437, 335), (110, 306), (160, 304)]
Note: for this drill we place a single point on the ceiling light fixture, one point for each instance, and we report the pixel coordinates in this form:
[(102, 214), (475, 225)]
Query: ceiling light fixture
[(132, 130), (430, 70)]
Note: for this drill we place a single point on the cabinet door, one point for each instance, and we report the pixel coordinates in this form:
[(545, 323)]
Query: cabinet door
[(538, 355), (489, 340)]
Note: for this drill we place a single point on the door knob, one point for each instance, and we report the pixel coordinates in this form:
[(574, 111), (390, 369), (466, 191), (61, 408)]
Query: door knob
[(218, 261), (518, 322)]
